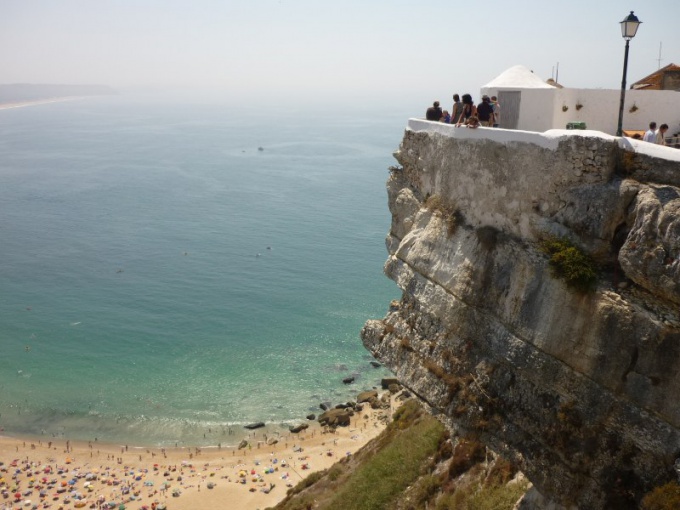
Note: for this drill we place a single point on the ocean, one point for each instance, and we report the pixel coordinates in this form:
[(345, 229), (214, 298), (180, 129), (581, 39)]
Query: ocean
[(170, 270)]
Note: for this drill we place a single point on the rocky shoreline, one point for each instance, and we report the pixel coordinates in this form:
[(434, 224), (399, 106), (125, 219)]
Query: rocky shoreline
[(339, 415)]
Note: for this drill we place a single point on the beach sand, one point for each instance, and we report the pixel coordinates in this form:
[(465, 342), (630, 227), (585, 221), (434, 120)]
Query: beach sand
[(139, 477), (35, 102)]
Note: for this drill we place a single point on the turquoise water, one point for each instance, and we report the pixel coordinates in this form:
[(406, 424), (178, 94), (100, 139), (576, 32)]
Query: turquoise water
[(161, 276)]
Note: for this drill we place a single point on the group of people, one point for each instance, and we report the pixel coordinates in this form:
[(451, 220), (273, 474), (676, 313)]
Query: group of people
[(464, 112), (653, 135)]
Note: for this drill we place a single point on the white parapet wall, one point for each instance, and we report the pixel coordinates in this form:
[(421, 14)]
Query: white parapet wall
[(549, 139), (520, 181)]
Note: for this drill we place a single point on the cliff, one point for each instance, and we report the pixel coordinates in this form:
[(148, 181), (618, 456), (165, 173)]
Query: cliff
[(577, 386)]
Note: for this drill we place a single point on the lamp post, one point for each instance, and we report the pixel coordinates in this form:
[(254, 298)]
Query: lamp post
[(629, 27)]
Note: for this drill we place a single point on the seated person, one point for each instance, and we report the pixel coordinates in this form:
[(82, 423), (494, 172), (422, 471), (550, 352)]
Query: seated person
[(434, 112)]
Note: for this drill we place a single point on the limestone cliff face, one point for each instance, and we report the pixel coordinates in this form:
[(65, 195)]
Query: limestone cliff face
[(580, 389)]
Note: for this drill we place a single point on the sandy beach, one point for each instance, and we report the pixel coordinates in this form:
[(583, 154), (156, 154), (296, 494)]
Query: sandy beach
[(61, 474), (21, 104)]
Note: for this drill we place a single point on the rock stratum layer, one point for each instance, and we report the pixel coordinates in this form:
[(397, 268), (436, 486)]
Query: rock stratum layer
[(579, 389)]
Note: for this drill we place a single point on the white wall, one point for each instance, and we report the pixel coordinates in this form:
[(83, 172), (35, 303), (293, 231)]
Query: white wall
[(541, 109), (535, 110), (601, 108)]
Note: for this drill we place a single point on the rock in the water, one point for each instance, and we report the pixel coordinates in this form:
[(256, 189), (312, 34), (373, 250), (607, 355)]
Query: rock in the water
[(256, 425), (365, 396), (325, 406), (385, 382), (299, 428), (243, 444), (335, 418), (348, 380), (272, 441), (375, 364), (311, 417)]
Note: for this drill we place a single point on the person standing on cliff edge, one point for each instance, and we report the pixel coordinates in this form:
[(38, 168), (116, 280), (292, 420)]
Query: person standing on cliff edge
[(457, 109)]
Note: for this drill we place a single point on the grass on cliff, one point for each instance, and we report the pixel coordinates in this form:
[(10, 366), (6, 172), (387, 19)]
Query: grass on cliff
[(380, 471), (410, 466), (570, 264)]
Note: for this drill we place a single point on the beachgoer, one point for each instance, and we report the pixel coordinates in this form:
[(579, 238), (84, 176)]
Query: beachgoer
[(485, 111), (446, 118), (650, 135), (434, 112), (661, 134)]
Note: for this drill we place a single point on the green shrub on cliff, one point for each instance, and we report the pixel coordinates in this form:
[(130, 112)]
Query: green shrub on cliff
[(383, 477), (570, 263)]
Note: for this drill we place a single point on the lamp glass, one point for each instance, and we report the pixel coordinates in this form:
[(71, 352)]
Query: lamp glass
[(629, 26)]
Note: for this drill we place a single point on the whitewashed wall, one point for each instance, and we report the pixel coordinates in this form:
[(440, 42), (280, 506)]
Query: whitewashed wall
[(601, 108), (541, 109), (536, 103)]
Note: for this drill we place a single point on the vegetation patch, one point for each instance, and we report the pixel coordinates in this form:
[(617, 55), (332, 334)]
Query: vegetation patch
[(412, 465), (570, 263), (501, 473), (501, 497), (383, 478), (466, 454), (666, 497), (307, 482), (452, 216)]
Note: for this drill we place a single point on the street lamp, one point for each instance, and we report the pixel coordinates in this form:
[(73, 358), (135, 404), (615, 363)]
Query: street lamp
[(629, 28)]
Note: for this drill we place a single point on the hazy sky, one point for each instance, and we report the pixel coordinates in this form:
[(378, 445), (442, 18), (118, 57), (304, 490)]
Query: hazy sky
[(366, 50)]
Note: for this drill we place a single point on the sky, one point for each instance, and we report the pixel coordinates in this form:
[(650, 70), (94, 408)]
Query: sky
[(353, 51)]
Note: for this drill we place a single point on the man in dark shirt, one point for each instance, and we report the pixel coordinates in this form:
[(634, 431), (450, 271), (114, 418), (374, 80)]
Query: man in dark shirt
[(434, 112), (485, 111)]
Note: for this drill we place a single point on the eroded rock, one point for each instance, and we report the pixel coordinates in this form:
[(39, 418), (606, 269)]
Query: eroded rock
[(579, 389)]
